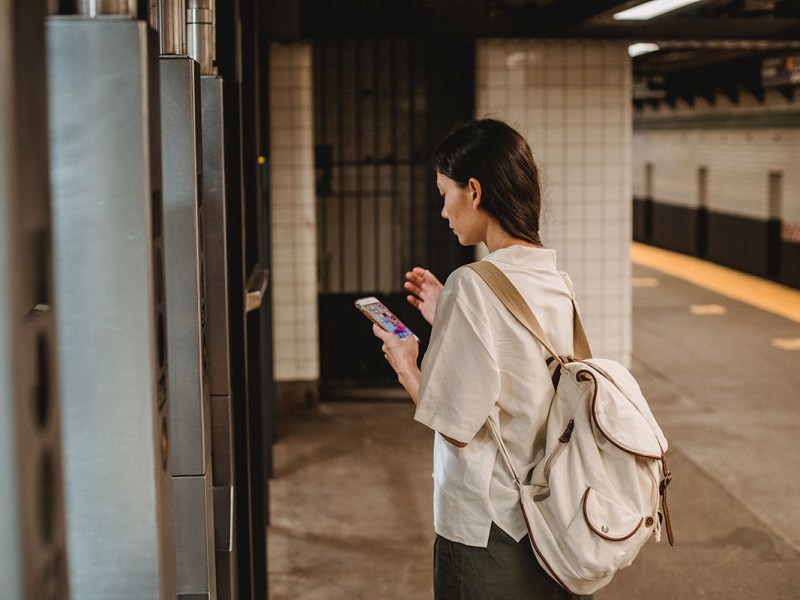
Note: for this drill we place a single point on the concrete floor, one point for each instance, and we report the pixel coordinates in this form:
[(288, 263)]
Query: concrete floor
[(351, 498)]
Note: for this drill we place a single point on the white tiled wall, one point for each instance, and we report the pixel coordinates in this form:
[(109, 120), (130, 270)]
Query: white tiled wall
[(294, 238), (739, 161), (572, 102)]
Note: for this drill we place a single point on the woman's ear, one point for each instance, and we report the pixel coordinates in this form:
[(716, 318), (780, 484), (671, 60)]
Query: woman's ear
[(475, 191)]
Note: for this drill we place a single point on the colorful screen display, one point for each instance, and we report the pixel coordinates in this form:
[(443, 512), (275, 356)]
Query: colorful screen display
[(384, 317)]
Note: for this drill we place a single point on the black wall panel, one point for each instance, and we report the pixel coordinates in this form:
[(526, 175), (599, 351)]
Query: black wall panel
[(790, 264), (750, 245), (738, 242), (674, 227), (642, 220)]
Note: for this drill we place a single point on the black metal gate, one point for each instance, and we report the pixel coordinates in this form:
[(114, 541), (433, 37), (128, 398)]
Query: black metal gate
[(380, 108)]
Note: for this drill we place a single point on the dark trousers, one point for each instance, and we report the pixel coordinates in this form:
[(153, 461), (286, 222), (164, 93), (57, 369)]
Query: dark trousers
[(504, 570)]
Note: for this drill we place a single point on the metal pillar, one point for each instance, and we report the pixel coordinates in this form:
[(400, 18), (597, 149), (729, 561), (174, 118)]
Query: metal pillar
[(218, 334), (172, 27), (185, 281), (106, 181), (33, 541), (185, 272), (201, 46), (200, 34)]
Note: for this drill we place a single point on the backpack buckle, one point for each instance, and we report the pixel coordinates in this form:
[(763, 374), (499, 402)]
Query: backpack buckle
[(667, 476), (665, 482)]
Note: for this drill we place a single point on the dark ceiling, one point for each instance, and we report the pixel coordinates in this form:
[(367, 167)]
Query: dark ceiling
[(708, 19), (710, 47)]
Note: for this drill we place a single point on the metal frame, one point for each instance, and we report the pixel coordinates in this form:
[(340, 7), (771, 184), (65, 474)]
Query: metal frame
[(33, 553)]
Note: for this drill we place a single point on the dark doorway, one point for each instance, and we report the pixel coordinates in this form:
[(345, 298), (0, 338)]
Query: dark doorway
[(381, 106)]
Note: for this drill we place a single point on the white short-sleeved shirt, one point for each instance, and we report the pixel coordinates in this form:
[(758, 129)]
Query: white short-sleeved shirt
[(481, 361)]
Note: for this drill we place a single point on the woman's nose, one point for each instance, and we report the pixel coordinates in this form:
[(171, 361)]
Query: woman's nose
[(444, 213)]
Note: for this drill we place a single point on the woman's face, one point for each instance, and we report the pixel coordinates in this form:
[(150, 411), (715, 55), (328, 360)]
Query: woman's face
[(461, 209)]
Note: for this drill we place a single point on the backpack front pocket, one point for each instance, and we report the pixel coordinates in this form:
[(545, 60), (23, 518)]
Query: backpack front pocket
[(608, 519), (604, 537)]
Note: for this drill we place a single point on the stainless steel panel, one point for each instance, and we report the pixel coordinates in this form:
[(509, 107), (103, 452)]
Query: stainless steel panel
[(184, 267), (105, 172), (186, 312), (214, 209), (194, 535), (217, 331), (223, 518), (224, 521), (222, 440), (32, 535)]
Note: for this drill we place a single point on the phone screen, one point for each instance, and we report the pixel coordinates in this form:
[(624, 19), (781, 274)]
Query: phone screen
[(385, 318)]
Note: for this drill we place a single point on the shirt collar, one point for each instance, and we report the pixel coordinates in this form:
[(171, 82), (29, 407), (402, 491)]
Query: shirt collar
[(524, 256)]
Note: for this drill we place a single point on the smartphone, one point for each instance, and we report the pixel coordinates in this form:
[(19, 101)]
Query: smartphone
[(377, 312)]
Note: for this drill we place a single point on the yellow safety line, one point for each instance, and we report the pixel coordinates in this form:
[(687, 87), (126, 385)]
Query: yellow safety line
[(766, 295)]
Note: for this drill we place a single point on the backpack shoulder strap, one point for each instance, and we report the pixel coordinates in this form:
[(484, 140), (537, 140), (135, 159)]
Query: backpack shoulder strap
[(580, 343), (514, 302), (509, 295)]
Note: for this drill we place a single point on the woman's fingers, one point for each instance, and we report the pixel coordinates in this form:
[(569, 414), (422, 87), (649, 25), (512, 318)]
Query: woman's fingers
[(382, 334), (432, 281), (414, 297), (413, 301), (425, 289), (417, 276), (413, 288)]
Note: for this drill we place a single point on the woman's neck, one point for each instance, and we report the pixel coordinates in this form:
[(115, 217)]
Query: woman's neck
[(497, 238)]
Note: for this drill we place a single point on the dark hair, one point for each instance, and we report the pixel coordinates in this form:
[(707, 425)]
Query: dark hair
[(501, 160)]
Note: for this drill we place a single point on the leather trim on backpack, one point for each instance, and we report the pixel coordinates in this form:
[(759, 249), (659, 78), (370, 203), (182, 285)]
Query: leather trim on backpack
[(600, 533), (588, 374)]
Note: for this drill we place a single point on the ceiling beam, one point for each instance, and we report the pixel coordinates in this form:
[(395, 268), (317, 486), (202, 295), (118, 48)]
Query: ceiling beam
[(333, 24), (572, 13)]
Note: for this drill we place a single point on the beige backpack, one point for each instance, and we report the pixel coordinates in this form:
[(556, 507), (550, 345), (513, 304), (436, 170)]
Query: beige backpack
[(600, 492)]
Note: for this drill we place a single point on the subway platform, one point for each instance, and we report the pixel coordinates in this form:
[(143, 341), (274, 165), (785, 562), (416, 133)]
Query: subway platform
[(717, 354)]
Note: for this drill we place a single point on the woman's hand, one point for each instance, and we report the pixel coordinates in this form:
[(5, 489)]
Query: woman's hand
[(425, 290), (402, 356)]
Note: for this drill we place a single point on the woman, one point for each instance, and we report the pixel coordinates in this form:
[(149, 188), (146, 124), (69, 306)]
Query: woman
[(481, 363)]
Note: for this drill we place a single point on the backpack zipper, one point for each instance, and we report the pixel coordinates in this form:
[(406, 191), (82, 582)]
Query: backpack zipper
[(556, 452)]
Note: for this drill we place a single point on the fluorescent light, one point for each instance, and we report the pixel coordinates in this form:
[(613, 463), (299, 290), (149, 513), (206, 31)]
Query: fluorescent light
[(641, 48), (651, 9)]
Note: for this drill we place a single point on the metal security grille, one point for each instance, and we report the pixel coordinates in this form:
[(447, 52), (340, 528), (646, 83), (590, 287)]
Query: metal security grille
[(380, 108)]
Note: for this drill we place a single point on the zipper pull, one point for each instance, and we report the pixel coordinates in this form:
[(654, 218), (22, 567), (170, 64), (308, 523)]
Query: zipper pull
[(567, 432)]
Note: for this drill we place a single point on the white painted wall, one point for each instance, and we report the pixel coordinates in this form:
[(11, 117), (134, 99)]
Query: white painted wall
[(738, 160), (572, 102)]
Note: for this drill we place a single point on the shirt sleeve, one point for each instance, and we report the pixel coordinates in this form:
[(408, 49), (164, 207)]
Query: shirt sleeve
[(460, 375)]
